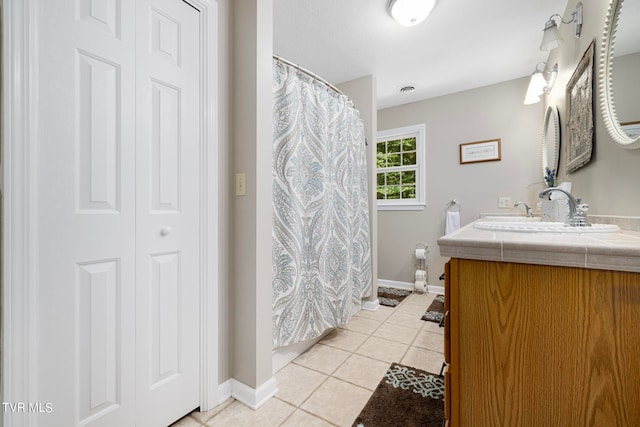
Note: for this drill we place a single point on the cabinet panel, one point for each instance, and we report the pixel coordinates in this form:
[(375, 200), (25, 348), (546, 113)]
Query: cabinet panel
[(541, 345)]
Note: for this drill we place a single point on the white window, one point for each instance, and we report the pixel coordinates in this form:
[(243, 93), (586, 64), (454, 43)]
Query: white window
[(400, 158)]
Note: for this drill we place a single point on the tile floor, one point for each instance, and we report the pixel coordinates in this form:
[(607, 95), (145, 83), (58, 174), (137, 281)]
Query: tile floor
[(331, 382)]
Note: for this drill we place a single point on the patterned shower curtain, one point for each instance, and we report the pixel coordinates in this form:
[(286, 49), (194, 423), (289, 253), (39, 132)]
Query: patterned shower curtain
[(321, 251)]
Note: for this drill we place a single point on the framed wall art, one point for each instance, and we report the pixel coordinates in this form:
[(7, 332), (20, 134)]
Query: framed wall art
[(480, 151), (579, 113)]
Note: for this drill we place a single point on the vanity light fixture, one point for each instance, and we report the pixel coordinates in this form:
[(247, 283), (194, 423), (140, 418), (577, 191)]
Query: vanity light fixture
[(551, 37), (410, 12), (540, 84)]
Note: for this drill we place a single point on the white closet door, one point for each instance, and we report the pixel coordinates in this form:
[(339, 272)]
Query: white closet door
[(167, 224), (86, 212), (118, 201)]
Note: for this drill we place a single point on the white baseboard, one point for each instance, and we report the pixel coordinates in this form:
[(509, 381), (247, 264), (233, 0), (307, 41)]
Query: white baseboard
[(395, 284), (224, 391), (251, 397), (435, 289), (409, 286), (371, 305)]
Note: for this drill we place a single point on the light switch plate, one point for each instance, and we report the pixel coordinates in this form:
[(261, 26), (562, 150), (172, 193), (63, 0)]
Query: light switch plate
[(241, 184)]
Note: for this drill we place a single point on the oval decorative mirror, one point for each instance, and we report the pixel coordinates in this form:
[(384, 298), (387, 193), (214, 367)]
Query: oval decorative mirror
[(550, 141), (621, 32)]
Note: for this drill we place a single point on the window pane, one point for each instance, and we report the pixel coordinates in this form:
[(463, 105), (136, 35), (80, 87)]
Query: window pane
[(380, 193), (381, 160), (393, 192), (409, 144), (409, 158), (381, 147), (394, 160), (393, 178), (380, 179), (408, 192), (393, 146), (409, 177)]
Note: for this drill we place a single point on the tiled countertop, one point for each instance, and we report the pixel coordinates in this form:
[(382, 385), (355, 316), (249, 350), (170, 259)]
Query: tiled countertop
[(605, 251)]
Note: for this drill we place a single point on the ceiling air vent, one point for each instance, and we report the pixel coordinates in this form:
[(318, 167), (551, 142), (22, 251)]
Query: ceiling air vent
[(407, 89)]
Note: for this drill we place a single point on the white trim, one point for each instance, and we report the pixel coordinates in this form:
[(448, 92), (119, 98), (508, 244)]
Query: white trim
[(435, 289), (254, 398), (387, 206), (421, 142), (224, 393), (395, 284), (209, 250), (409, 286), (19, 136), (19, 104), (371, 305)]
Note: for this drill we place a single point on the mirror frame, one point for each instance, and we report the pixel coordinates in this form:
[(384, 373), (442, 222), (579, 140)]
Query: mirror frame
[(605, 79), (551, 117)]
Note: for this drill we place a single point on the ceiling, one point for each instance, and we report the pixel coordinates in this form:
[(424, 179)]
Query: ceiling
[(463, 44)]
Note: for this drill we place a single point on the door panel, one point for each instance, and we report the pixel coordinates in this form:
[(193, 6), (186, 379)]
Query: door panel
[(167, 221), (118, 212), (86, 213)]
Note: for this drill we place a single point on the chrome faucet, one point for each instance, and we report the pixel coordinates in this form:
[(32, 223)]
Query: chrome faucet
[(577, 209), (527, 208)]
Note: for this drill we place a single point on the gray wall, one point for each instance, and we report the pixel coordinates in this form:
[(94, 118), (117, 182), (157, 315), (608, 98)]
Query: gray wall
[(245, 138), (491, 112), (610, 182), (362, 92)]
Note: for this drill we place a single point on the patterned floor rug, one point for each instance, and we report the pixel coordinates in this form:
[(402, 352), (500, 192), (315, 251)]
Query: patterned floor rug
[(391, 296), (405, 397), (435, 312)]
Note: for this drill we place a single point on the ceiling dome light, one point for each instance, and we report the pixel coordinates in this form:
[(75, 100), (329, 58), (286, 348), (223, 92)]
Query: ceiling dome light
[(410, 12)]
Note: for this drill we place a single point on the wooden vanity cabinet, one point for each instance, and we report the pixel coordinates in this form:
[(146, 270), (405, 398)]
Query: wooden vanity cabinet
[(534, 345)]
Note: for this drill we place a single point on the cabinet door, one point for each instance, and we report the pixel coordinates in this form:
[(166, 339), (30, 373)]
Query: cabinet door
[(541, 345)]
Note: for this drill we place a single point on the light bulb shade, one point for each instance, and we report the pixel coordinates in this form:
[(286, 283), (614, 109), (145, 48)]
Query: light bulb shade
[(528, 100), (537, 84), (410, 12), (550, 37)]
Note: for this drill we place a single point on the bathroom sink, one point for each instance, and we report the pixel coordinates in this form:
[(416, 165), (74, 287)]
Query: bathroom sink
[(510, 218), (533, 225)]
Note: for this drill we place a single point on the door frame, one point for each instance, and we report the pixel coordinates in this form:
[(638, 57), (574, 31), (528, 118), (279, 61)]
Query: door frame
[(19, 205)]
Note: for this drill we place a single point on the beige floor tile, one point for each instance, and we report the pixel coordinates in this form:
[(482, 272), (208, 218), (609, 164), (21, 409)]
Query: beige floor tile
[(362, 325), (418, 298), (404, 319), (430, 341), (426, 360), (203, 417), (344, 339), (296, 383), (381, 314), (187, 421), (396, 333), (432, 327), (413, 309), (362, 371), (383, 350), (271, 414), (322, 358), (337, 401), (301, 418)]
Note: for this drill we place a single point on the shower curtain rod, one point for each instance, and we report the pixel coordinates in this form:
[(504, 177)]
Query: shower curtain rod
[(310, 74)]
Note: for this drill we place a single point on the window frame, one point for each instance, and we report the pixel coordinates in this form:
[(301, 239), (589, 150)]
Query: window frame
[(419, 203)]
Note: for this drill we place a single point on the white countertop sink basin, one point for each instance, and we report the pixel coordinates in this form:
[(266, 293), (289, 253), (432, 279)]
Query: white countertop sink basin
[(533, 225)]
